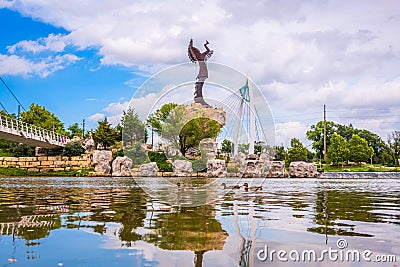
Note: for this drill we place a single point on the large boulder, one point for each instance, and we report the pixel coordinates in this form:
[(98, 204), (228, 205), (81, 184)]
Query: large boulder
[(302, 169), (89, 144), (216, 168), (240, 157), (275, 169), (121, 166), (250, 168), (208, 145), (182, 168), (192, 153), (265, 158), (102, 160), (149, 170)]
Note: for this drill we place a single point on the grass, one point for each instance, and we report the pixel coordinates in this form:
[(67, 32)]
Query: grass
[(365, 168), (4, 172)]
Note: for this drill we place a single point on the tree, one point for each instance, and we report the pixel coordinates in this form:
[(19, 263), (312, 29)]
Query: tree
[(261, 147), (41, 117), (359, 149), (5, 114), (337, 151), (73, 149), (346, 131), (196, 130), (156, 119), (243, 148), (134, 135), (375, 142), (133, 129), (105, 134), (316, 134), (136, 154), (119, 129), (172, 124), (74, 130), (297, 151), (279, 152), (394, 146), (226, 146)]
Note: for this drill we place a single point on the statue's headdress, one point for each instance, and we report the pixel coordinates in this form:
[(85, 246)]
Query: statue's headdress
[(191, 51)]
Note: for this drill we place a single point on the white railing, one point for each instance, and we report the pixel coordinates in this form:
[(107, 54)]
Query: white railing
[(32, 132)]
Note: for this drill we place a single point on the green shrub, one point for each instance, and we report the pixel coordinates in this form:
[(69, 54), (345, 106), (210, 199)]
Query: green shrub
[(233, 169), (22, 150), (161, 160), (73, 149), (199, 165), (120, 153)]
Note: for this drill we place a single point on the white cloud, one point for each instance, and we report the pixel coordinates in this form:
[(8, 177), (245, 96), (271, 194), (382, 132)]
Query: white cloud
[(55, 43), (115, 111), (96, 117), (345, 54), (6, 4), (286, 131), (284, 41), (15, 65)]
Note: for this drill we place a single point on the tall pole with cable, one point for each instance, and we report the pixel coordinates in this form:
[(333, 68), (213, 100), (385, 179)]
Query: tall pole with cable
[(83, 129)]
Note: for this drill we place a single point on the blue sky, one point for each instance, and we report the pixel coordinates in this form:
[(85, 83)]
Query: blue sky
[(73, 93), (85, 60)]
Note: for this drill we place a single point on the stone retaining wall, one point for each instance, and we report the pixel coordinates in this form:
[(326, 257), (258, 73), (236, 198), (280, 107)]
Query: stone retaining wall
[(48, 163)]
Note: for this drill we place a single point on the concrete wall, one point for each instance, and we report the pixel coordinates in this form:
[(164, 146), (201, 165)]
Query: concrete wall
[(48, 163)]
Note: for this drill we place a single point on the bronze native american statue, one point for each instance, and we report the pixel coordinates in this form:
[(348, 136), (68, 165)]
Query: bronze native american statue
[(196, 56)]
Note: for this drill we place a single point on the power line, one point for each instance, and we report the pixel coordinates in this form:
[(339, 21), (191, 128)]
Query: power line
[(296, 115), (371, 122), (362, 109), (300, 126), (12, 93), (350, 117), (310, 119)]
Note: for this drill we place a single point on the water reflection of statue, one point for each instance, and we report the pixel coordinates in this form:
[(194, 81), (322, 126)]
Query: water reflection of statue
[(196, 56)]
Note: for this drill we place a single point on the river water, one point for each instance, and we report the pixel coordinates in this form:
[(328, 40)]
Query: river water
[(112, 222)]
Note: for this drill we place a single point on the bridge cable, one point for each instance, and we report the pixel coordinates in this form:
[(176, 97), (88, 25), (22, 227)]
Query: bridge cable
[(12, 94), (4, 108)]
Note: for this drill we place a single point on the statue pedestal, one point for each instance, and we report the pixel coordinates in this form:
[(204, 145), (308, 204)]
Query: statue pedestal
[(197, 110)]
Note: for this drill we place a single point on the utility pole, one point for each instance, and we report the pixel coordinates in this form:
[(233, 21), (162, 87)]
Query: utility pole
[(83, 129), (19, 112), (152, 139), (324, 132)]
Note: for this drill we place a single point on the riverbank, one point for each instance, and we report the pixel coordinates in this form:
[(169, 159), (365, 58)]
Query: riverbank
[(16, 172), (362, 168), (359, 175)]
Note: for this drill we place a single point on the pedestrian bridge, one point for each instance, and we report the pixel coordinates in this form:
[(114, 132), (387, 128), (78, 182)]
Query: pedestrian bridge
[(20, 132)]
